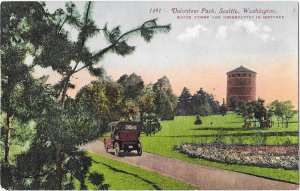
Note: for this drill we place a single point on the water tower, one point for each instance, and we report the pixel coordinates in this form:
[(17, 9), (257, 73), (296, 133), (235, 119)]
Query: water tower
[(241, 83)]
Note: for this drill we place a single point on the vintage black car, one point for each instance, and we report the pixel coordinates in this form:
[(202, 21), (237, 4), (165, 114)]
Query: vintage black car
[(124, 136)]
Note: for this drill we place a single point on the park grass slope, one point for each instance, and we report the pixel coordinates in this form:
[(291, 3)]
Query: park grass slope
[(182, 130)]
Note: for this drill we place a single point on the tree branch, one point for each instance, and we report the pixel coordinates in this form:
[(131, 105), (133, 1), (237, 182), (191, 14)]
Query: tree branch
[(59, 29), (36, 175), (93, 57)]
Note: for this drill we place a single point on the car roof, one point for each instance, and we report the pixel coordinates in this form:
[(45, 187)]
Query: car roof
[(123, 122), (121, 125)]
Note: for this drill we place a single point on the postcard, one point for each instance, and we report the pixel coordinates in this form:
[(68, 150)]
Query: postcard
[(149, 95)]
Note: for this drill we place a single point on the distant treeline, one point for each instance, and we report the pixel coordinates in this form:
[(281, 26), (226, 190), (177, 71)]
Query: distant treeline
[(201, 103), (129, 98)]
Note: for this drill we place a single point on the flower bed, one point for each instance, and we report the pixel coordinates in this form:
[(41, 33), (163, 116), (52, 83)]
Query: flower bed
[(272, 156)]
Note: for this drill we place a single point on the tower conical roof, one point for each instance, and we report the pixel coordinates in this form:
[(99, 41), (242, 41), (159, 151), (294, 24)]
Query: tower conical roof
[(241, 69)]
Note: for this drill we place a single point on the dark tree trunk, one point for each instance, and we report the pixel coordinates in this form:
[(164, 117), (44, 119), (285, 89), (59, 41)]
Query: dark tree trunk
[(65, 89), (287, 122), (7, 137), (58, 162), (58, 171)]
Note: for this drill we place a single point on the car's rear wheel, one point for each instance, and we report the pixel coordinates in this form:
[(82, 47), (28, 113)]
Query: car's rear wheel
[(117, 149), (139, 150)]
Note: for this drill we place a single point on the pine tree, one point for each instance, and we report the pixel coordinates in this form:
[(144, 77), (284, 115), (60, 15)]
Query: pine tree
[(198, 120), (54, 158), (204, 103), (165, 100), (223, 109), (16, 78), (184, 105)]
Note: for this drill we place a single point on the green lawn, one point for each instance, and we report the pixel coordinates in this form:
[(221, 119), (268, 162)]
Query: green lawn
[(183, 130), (122, 176)]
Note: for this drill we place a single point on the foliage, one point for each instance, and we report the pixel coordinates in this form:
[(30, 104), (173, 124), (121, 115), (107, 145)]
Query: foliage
[(146, 100), (105, 98), (288, 112), (53, 160), (233, 103), (260, 138), (130, 110), (165, 100), (253, 111), (276, 108), (15, 74), (219, 137), (132, 85), (283, 110), (260, 111), (151, 123), (223, 108), (198, 120), (204, 103), (201, 103), (184, 105)]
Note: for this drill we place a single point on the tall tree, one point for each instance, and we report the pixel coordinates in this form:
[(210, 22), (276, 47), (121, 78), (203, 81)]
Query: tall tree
[(233, 103), (71, 124), (277, 108), (288, 112), (106, 97), (17, 20), (151, 123), (260, 112), (184, 105), (132, 85), (223, 108), (67, 52), (165, 100), (147, 99), (204, 104)]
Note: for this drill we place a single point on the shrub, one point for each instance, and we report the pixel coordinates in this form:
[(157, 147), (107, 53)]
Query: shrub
[(259, 138), (287, 142), (198, 120), (240, 140), (220, 136)]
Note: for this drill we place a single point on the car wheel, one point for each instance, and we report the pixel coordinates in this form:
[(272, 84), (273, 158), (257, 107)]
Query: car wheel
[(117, 149), (139, 150)]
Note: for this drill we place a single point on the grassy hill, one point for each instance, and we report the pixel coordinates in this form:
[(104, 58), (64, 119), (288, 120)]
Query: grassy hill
[(183, 130)]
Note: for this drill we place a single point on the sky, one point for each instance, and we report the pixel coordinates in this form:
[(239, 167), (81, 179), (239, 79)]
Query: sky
[(198, 52)]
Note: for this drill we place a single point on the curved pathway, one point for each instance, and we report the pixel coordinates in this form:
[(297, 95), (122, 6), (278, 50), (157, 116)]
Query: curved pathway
[(204, 177)]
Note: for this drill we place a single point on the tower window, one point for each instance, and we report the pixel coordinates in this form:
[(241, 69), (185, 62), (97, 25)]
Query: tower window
[(233, 75), (249, 75), (239, 75)]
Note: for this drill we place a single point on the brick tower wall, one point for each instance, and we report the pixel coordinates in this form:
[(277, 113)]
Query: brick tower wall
[(242, 85)]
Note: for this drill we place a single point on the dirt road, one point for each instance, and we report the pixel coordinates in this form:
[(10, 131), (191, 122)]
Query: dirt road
[(207, 178)]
